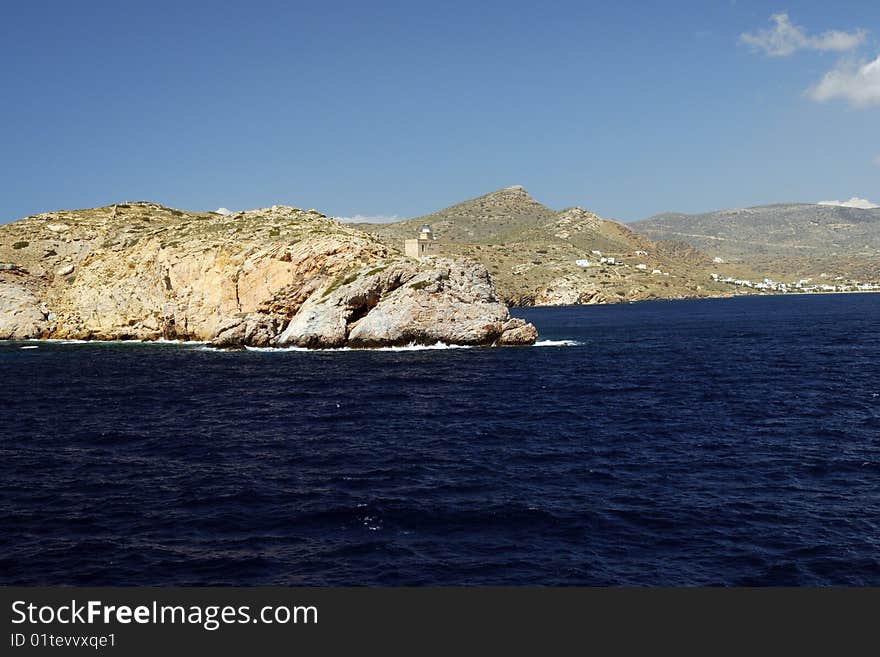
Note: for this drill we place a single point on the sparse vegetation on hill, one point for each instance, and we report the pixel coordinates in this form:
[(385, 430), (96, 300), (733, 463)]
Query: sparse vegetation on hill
[(781, 240), (531, 251)]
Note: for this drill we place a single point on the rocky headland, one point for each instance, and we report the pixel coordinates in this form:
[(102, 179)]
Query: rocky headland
[(272, 277)]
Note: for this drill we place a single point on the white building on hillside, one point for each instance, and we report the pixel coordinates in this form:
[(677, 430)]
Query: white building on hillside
[(425, 245)]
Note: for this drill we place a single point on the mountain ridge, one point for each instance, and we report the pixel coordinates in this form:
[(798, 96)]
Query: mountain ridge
[(786, 237)]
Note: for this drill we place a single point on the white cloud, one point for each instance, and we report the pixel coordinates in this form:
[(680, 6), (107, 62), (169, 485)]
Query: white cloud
[(854, 202), (785, 38), (858, 83), (370, 219), (223, 211)]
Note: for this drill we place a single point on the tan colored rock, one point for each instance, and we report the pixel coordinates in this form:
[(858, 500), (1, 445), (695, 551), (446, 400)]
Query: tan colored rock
[(20, 315), (402, 303), (261, 278), (518, 332), (567, 292), (256, 330), (453, 303), (323, 320)]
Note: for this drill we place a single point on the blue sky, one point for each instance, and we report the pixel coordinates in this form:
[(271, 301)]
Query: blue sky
[(400, 108)]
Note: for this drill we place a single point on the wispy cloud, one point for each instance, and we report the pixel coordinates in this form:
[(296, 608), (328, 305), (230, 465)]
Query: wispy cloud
[(785, 38), (370, 218), (856, 82), (854, 202)]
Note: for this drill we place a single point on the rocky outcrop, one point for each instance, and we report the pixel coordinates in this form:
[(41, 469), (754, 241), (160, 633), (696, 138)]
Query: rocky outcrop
[(567, 292), (20, 314), (516, 331), (574, 220), (397, 303), (452, 302), (272, 277)]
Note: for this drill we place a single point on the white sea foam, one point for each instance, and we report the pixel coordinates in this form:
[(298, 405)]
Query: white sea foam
[(164, 341), (424, 347), (30, 347), (203, 344), (409, 347), (99, 342), (160, 341), (57, 341)]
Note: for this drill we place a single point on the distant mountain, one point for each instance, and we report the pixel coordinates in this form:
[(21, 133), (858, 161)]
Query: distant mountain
[(788, 230), (531, 251)]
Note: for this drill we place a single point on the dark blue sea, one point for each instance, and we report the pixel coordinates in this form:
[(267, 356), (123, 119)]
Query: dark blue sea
[(716, 442)]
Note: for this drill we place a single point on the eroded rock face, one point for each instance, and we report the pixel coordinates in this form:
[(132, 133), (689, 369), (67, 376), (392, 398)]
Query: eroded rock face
[(324, 320), (453, 303), (255, 330), (406, 303), (518, 332), (271, 277), (566, 292), (20, 314)]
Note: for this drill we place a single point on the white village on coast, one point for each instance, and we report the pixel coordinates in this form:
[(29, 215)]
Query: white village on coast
[(802, 286)]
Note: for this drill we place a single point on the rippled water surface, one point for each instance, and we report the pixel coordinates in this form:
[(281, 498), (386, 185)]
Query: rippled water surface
[(669, 443)]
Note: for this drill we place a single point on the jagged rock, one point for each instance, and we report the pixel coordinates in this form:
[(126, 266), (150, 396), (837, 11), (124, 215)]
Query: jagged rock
[(66, 270), (450, 302), (230, 336), (20, 315), (565, 292), (517, 331), (255, 330), (454, 304), (324, 319)]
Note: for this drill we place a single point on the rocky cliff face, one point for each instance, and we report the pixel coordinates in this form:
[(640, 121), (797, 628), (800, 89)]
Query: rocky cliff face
[(567, 292), (277, 276)]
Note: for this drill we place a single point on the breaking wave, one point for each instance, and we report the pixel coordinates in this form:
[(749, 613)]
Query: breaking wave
[(409, 347), (56, 341), (32, 344)]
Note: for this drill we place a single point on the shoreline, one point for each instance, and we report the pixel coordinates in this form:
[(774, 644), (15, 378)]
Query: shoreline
[(700, 298), (33, 343), (424, 347)]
